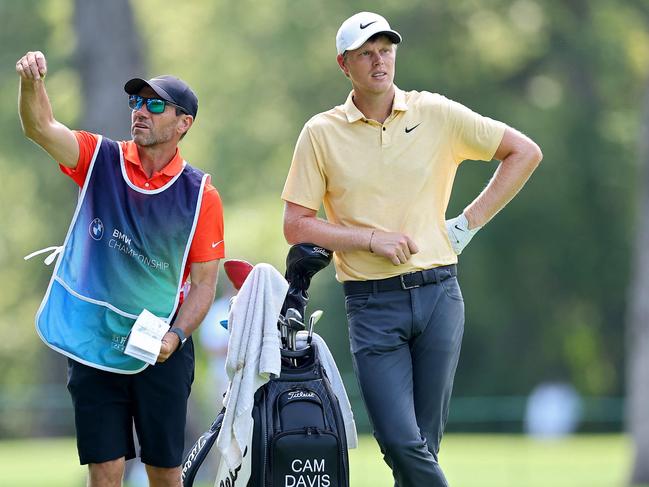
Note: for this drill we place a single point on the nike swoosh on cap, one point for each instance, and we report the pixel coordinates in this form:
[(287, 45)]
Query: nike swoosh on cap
[(367, 25)]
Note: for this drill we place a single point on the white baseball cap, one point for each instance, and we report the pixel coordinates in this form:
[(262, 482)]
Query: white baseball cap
[(360, 27)]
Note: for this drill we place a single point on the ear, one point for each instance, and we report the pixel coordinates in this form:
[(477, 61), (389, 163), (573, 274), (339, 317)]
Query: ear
[(342, 65), (184, 123)]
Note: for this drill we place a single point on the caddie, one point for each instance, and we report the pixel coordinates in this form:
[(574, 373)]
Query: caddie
[(146, 225)]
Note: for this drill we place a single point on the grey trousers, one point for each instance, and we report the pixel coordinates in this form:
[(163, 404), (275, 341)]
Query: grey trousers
[(405, 346)]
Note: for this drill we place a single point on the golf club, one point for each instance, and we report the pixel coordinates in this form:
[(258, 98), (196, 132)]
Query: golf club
[(313, 319), (283, 330), (294, 325), (294, 321)]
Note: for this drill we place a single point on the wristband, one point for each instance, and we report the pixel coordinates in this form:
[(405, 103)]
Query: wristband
[(180, 334)]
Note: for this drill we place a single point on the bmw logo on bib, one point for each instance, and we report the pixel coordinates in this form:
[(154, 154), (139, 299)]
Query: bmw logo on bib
[(96, 229)]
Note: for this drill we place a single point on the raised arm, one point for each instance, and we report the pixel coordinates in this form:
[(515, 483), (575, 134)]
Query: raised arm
[(36, 115), (519, 157)]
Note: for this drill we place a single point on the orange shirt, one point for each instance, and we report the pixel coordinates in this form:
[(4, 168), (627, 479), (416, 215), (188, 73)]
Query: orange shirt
[(207, 243)]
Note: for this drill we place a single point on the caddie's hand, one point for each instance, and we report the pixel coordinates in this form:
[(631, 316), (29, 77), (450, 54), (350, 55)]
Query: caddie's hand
[(396, 247), (170, 342), (458, 232), (32, 66)]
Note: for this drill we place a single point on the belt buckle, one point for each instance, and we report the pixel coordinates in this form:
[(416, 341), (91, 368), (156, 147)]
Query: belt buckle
[(404, 286)]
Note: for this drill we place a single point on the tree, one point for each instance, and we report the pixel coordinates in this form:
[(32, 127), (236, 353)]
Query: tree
[(108, 54), (638, 322)]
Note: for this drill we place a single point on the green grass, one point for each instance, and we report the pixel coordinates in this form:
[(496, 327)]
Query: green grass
[(517, 461), (468, 460), (39, 463)]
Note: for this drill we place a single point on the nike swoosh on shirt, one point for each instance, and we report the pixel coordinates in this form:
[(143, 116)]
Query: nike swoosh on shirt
[(214, 244), (408, 130)]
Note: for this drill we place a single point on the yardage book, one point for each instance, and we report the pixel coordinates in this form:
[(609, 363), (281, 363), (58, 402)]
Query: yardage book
[(145, 339)]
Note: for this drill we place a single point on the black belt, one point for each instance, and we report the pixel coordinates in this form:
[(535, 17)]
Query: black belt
[(410, 280)]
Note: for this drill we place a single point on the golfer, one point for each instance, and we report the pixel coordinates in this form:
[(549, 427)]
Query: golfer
[(145, 222), (383, 164)]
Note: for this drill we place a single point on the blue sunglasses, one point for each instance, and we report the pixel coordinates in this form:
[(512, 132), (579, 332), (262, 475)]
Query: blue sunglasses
[(154, 105)]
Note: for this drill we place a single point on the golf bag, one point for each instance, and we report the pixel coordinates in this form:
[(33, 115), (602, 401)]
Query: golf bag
[(299, 437), (299, 434)]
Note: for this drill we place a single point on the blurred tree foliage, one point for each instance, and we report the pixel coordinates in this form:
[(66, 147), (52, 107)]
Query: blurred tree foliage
[(544, 283)]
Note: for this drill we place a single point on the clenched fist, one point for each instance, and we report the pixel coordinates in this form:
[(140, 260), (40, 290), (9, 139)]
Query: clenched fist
[(32, 66)]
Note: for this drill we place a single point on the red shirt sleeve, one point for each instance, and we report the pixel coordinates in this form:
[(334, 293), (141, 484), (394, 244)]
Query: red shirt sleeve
[(208, 243), (87, 144)]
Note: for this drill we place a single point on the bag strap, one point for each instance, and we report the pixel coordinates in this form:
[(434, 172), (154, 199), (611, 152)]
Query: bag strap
[(199, 451)]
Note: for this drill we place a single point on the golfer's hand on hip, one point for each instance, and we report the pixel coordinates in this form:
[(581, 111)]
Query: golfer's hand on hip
[(396, 247), (458, 232), (170, 342), (32, 66)]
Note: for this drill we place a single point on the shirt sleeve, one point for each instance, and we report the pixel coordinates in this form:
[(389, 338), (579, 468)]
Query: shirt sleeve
[(208, 242), (87, 144), (473, 136), (306, 181)]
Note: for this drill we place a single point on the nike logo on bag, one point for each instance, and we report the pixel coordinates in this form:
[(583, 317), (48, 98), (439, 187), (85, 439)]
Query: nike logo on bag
[(408, 130), (367, 25), (214, 244)]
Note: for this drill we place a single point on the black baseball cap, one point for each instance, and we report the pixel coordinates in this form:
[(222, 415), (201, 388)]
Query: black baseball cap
[(168, 88)]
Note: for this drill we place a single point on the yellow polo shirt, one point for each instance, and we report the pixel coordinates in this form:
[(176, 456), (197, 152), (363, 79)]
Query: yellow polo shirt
[(396, 176)]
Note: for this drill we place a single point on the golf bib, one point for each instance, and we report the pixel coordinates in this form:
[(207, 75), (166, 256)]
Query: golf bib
[(125, 251)]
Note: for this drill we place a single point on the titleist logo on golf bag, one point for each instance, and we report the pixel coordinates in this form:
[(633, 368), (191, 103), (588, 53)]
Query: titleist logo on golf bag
[(299, 434), (300, 395), (199, 451), (189, 461)]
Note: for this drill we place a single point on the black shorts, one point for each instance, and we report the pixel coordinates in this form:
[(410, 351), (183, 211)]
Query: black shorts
[(107, 406)]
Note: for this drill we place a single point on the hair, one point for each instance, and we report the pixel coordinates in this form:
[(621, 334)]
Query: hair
[(372, 39)]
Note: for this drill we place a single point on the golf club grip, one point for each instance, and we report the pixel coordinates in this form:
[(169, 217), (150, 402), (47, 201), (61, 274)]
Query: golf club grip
[(199, 451)]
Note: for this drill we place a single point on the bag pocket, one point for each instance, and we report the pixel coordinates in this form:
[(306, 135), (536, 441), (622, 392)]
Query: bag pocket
[(306, 457), (299, 407)]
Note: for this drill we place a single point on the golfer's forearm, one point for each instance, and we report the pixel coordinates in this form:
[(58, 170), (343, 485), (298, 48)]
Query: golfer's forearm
[(334, 237), (511, 175)]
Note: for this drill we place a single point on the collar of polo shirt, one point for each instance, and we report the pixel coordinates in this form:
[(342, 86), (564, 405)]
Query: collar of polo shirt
[(354, 114)]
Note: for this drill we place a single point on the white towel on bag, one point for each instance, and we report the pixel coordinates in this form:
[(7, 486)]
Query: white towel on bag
[(253, 357), (336, 381)]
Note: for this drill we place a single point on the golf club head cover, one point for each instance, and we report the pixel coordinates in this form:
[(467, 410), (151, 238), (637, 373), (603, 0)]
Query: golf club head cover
[(303, 261), (237, 271)]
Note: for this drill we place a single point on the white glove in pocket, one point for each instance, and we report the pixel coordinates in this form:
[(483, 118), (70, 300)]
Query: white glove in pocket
[(458, 232)]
